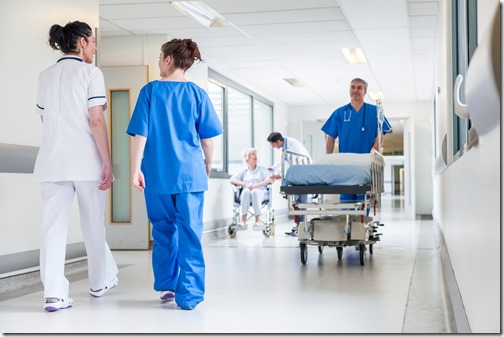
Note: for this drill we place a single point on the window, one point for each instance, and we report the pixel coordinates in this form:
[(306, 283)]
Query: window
[(120, 152), (216, 94), (464, 37), (247, 119), (238, 127), (263, 126)]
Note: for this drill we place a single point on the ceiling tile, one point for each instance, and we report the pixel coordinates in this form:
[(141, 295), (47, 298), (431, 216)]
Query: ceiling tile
[(424, 8), (273, 39)]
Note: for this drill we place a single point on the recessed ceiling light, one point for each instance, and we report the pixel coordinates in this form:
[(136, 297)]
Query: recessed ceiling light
[(294, 82), (354, 55)]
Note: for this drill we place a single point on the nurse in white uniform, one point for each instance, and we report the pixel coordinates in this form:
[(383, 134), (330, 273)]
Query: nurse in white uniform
[(74, 158)]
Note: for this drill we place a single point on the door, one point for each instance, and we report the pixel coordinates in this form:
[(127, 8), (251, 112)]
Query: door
[(313, 138), (126, 219)]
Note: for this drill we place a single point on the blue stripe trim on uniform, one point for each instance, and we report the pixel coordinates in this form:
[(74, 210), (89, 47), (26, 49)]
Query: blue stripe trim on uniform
[(38, 106), (90, 98), (70, 58), (389, 127)]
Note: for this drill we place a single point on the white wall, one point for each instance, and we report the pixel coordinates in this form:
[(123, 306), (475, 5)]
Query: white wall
[(24, 27), (422, 161), (467, 200)]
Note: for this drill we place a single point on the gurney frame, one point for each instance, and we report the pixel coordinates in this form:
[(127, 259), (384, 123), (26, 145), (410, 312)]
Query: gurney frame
[(337, 224)]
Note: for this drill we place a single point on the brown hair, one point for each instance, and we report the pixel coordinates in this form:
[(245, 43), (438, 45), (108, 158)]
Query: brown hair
[(183, 51)]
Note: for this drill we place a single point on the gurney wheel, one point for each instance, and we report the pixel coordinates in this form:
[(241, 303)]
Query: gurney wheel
[(270, 231), (371, 249), (320, 249), (304, 252), (340, 252), (362, 250), (232, 231)]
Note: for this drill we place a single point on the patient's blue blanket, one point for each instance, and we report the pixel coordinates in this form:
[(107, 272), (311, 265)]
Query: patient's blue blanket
[(336, 169)]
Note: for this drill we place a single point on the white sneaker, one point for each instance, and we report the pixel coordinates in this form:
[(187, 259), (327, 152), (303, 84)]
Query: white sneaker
[(100, 292), (241, 226), (55, 304), (167, 296), (258, 226)]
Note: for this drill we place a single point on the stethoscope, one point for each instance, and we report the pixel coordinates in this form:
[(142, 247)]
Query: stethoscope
[(347, 118)]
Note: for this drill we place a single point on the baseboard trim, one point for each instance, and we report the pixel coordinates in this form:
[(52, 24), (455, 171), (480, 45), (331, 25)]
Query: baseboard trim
[(456, 305), (25, 262)]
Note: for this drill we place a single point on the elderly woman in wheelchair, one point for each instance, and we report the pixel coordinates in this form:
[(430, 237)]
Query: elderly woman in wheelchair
[(252, 186)]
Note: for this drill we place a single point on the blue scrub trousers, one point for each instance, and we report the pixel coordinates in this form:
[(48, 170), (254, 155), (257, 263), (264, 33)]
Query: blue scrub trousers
[(177, 256), (352, 198)]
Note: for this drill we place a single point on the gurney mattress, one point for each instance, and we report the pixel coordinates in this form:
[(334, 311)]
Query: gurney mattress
[(334, 169)]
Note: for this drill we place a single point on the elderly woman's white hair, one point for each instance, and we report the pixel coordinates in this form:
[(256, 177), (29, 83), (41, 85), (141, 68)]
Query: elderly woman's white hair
[(246, 153)]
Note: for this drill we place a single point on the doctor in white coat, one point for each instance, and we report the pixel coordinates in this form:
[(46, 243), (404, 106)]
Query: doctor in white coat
[(277, 141), (74, 158)]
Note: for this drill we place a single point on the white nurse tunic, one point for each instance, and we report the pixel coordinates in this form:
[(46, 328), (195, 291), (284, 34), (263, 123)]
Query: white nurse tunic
[(69, 163), (68, 151)]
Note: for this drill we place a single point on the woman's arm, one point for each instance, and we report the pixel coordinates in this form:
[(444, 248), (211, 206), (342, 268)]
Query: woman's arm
[(99, 130), (207, 146), (138, 150)]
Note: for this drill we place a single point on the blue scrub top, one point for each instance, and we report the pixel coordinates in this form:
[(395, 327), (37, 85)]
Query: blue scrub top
[(174, 117), (346, 124)]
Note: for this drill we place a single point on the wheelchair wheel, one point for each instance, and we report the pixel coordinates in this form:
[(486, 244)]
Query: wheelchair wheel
[(320, 249), (269, 230), (304, 252), (232, 231)]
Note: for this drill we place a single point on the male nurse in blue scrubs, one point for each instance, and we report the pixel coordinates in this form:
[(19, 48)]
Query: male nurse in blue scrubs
[(356, 126)]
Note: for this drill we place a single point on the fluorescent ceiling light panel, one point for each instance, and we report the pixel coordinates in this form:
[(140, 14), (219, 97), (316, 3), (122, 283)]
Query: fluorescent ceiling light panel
[(354, 55), (201, 12), (294, 82)]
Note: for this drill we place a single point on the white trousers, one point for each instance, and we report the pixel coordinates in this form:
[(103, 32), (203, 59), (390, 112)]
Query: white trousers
[(58, 198), (256, 196)]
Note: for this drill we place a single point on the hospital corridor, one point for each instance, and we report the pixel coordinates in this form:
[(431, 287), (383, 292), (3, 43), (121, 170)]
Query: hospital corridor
[(258, 285), (251, 166)]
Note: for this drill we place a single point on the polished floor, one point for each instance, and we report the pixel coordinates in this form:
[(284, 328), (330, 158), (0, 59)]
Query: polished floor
[(259, 285)]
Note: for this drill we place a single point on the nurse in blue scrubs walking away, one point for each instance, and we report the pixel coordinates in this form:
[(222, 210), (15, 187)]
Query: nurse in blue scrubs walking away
[(172, 124)]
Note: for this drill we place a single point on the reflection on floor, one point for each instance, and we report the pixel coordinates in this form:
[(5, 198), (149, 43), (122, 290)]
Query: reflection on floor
[(258, 285)]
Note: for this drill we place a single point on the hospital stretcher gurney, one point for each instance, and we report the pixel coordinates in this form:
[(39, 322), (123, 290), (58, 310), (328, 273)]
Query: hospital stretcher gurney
[(336, 224)]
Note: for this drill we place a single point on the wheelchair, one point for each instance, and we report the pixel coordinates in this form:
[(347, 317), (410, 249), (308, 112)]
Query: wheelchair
[(266, 207)]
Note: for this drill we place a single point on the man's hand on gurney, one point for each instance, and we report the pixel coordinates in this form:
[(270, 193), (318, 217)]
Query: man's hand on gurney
[(276, 177)]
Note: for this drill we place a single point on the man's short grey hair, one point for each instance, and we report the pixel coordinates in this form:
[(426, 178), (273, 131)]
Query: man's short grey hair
[(359, 80)]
